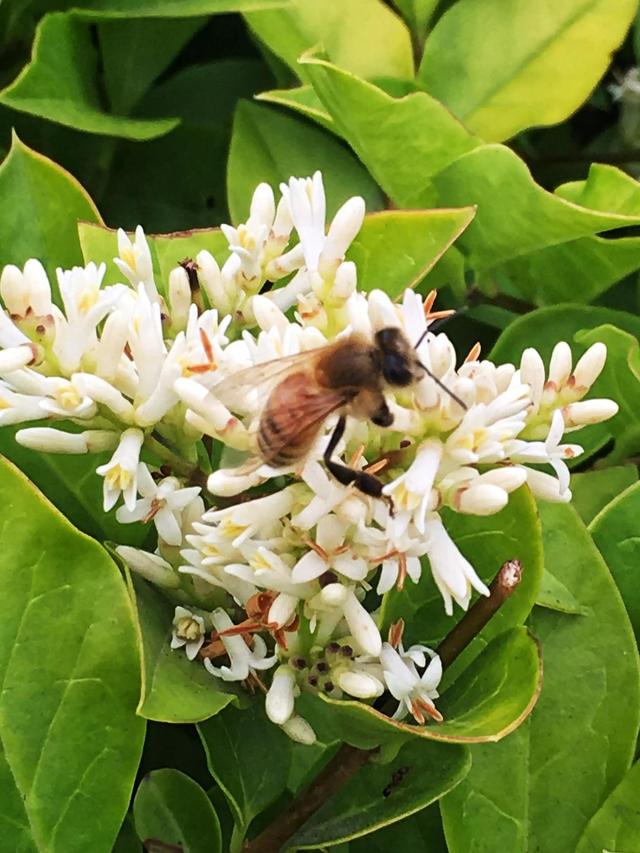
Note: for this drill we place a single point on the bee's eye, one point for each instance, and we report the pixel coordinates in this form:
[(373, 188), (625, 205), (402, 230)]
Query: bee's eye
[(396, 369)]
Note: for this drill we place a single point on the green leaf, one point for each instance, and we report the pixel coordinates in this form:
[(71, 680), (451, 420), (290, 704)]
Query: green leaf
[(620, 380), (135, 53), (379, 126), (532, 66), (395, 249), (41, 205), (61, 84), (417, 14), (422, 772), (606, 188), (70, 671), (616, 532), (173, 809), (486, 702), (302, 99), (72, 485), (555, 595), (616, 825), (579, 742), (497, 180), (363, 36), (127, 840), (109, 9), (593, 490), (167, 250), (174, 689), (249, 758), (421, 832), (543, 328), (487, 542), (269, 146), (181, 179)]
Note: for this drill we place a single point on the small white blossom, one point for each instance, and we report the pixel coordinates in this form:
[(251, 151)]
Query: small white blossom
[(243, 660), (414, 692), (188, 632), (120, 473)]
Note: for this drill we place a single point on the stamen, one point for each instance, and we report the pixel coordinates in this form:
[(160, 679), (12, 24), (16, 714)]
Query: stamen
[(357, 456), (386, 556), (206, 346), (402, 571), (315, 547), (154, 509), (417, 714), (375, 467), (430, 298), (396, 630), (474, 352), (431, 710)]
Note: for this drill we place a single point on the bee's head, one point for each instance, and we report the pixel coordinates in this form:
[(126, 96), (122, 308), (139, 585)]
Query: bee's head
[(399, 363)]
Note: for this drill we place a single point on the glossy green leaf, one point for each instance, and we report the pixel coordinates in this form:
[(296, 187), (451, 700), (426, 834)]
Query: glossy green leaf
[(363, 36), (379, 126), (616, 532), (249, 757), (70, 671), (533, 65), (395, 249), (487, 542), (61, 84), (72, 485), (422, 772), (41, 205), (620, 379), (555, 595), (180, 179), (487, 701), (593, 490), (127, 840), (543, 328), (417, 14), (174, 689), (420, 832), (579, 742), (270, 146), (109, 9), (605, 188), (616, 825), (134, 53), (302, 99), (171, 808), (167, 250), (497, 180)]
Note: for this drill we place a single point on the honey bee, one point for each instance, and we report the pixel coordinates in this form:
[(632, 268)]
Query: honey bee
[(347, 376)]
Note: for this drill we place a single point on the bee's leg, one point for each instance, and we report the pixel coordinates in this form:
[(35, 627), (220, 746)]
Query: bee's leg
[(366, 483)]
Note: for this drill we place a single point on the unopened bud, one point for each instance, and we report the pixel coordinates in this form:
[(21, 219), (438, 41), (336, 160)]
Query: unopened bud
[(589, 366), (588, 412), (299, 730), (179, 297)]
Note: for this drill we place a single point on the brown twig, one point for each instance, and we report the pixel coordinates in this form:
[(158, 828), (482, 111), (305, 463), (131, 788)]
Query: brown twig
[(348, 759)]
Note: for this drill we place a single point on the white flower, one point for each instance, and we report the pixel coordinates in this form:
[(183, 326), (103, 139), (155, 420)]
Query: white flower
[(308, 210), (243, 660), (330, 553), (414, 692), (26, 291), (57, 441), (341, 601), (281, 695), (411, 491), (120, 472), (188, 631), (549, 451), (453, 574), (134, 261), (65, 400), (162, 502), (151, 567)]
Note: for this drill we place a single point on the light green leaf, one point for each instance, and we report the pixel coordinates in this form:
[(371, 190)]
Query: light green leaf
[(363, 36), (593, 490), (579, 742), (270, 146), (395, 249), (379, 126), (302, 99), (534, 64), (616, 825), (167, 250), (101, 9), (180, 179), (606, 188), (135, 52), (487, 701), (616, 532), (543, 328), (174, 689), (515, 215), (425, 772), (555, 595), (249, 758), (61, 84), (70, 671), (620, 380), (417, 14), (487, 542), (173, 809), (41, 204)]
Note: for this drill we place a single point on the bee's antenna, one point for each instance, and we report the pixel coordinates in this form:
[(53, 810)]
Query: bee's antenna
[(441, 384)]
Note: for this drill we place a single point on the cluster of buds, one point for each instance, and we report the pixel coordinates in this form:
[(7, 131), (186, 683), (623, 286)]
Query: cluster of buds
[(280, 588)]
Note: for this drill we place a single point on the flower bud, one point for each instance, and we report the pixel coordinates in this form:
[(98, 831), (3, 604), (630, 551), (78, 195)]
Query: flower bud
[(210, 280), (508, 478), (299, 730), (280, 696), (346, 224), (361, 625), (382, 312), (263, 206), (14, 358), (560, 364), (149, 566), (481, 499), (346, 280), (588, 412), (532, 373), (56, 441), (589, 366), (546, 487), (179, 297), (359, 684), (14, 292)]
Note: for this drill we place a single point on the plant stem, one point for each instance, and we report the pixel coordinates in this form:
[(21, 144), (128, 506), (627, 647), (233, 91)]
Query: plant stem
[(348, 759)]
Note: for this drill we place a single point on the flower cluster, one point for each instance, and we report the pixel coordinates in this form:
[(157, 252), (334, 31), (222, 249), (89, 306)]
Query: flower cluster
[(282, 570)]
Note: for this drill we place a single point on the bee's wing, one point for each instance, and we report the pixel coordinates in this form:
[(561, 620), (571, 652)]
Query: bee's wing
[(261, 378)]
